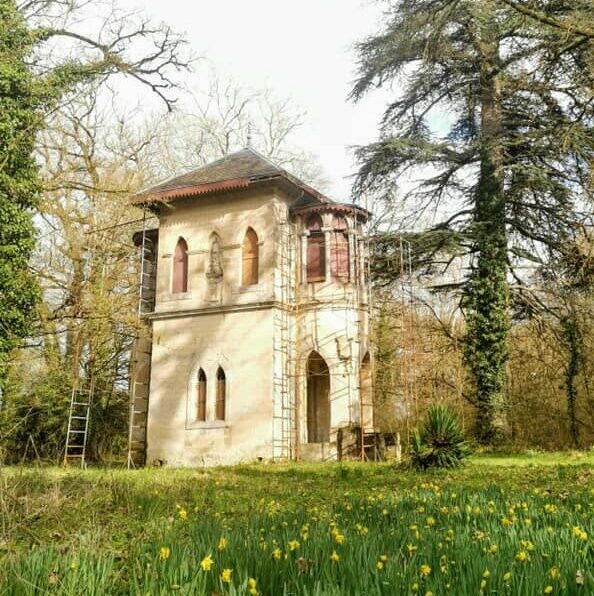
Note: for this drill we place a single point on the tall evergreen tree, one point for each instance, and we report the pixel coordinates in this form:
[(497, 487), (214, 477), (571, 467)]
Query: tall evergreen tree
[(497, 107), (34, 77)]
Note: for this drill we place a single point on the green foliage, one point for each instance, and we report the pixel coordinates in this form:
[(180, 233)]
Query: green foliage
[(485, 347), (20, 103), (392, 254), (34, 78), (440, 443), (571, 334), (34, 415)]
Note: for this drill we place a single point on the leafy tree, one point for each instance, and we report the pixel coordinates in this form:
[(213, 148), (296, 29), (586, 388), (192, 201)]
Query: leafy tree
[(91, 158), (495, 112), (20, 102), (37, 72)]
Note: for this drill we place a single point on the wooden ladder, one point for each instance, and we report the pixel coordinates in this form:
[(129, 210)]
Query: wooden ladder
[(78, 426), (369, 443)]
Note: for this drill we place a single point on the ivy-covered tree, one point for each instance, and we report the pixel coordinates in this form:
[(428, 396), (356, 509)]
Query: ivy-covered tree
[(494, 114), (20, 105), (43, 60)]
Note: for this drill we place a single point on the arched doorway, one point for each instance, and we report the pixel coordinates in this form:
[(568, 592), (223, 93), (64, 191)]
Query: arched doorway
[(318, 399)]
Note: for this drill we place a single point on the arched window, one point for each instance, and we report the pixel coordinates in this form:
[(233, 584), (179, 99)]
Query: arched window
[(221, 390), (316, 250), (201, 397), (339, 262), (318, 399), (249, 275), (180, 267)]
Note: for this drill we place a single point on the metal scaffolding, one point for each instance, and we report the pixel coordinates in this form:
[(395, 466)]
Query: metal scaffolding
[(296, 303)]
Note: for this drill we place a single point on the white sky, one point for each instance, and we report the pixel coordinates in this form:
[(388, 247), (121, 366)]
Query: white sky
[(302, 50)]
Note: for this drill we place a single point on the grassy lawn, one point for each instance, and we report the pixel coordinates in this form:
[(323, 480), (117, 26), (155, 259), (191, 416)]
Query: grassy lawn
[(500, 525)]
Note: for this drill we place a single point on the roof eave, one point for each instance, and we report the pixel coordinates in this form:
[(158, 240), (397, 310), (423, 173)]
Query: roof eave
[(337, 207), (223, 185), (186, 191)]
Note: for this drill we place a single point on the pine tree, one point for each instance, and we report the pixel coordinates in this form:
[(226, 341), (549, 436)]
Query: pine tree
[(509, 174)]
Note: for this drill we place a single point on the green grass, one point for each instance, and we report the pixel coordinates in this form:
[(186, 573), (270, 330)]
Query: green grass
[(147, 531)]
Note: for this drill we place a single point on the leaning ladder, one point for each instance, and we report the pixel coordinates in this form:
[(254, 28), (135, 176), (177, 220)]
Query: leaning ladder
[(78, 426), (139, 389)]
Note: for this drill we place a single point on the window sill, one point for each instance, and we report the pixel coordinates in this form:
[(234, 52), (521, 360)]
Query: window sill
[(249, 289), (179, 296), (207, 425)]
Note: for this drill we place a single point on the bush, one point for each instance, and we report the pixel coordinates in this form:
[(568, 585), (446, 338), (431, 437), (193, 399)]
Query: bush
[(440, 443)]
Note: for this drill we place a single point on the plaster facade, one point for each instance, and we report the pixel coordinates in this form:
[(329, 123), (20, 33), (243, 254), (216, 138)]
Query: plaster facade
[(294, 352)]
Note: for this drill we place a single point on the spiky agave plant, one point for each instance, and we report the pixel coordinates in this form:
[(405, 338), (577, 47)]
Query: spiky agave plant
[(440, 443)]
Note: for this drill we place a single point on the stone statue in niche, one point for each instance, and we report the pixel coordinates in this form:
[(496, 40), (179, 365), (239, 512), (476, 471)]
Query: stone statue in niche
[(214, 272)]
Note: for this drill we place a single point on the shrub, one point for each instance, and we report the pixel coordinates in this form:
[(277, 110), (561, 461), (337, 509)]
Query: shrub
[(440, 443)]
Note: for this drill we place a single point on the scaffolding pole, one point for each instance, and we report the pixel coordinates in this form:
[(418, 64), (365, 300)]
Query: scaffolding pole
[(284, 414)]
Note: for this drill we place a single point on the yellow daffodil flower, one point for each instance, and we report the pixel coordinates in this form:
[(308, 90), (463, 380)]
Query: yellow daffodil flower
[(206, 563)]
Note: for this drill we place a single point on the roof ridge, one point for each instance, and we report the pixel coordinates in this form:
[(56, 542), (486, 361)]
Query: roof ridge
[(262, 156)]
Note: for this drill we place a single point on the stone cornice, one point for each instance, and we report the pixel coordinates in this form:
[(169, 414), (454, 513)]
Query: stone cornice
[(210, 310)]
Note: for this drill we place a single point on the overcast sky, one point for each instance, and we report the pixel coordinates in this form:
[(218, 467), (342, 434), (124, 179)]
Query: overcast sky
[(298, 49)]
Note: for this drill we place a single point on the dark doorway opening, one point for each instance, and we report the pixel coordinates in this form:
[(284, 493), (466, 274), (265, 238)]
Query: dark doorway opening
[(318, 399)]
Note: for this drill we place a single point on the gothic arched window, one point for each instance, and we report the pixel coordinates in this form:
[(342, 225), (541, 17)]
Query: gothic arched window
[(316, 250), (201, 397), (180, 268), (339, 261), (221, 394), (250, 259)]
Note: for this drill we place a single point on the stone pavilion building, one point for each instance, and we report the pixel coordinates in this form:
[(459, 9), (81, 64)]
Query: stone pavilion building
[(257, 330)]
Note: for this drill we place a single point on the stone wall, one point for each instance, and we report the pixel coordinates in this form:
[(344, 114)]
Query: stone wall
[(218, 323), (240, 343)]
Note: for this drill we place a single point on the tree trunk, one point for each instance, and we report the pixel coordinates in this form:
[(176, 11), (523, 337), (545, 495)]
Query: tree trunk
[(487, 295), (572, 339)]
